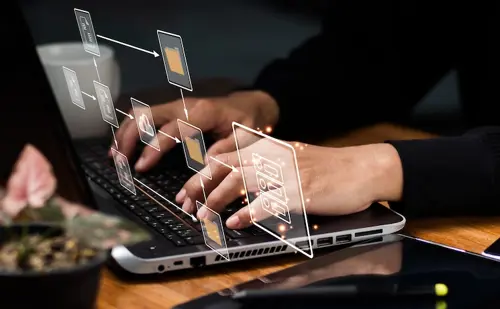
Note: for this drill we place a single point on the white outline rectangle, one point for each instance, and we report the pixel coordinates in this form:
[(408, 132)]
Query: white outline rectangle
[(116, 125), (235, 124), (186, 151), (132, 101), (65, 69), (198, 203), (98, 54), (165, 64), (134, 192)]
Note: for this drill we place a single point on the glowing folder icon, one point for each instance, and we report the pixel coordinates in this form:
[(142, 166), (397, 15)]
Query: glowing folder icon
[(194, 149), (212, 231), (174, 60)]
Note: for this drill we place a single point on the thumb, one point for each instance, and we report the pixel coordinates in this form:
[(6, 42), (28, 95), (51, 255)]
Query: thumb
[(224, 145)]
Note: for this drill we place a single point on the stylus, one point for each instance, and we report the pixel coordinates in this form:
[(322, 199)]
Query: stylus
[(341, 291)]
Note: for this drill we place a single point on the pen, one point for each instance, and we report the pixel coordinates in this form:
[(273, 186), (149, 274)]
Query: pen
[(342, 291)]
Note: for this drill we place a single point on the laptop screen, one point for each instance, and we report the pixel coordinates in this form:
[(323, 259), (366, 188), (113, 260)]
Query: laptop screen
[(30, 114)]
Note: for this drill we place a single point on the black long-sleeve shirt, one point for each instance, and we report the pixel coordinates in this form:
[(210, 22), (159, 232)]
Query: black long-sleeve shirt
[(373, 61)]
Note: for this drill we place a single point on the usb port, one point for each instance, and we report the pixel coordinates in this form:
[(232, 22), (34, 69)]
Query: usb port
[(323, 242), (343, 238), (303, 245)]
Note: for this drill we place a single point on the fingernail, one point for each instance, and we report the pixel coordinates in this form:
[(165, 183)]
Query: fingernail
[(140, 163), (187, 205), (179, 198), (202, 213), (233, 222)]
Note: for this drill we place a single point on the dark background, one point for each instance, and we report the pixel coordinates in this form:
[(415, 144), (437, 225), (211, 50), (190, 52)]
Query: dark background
[(222, 38)]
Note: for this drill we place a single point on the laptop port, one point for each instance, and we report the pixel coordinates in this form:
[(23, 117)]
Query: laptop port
[(199, 261), (343, 238), (303, 245), (177, 263), (323, 242)]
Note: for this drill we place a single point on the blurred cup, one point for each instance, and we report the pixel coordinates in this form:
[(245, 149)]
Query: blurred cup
[(89, 122)]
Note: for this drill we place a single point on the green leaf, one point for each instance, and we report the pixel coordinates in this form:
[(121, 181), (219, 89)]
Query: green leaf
[(5, 219), (50, 213), (101, 231)]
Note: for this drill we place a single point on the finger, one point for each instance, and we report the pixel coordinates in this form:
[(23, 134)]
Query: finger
[(224, 145), (123, 135), (200, 116), (193, 190), (150, 156), (229, 190), (245, 217)]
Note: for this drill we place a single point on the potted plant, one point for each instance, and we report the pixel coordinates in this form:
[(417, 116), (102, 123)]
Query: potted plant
[(52, 250)]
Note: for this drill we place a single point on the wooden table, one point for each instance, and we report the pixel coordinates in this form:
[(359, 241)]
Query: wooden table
[(472, 234)]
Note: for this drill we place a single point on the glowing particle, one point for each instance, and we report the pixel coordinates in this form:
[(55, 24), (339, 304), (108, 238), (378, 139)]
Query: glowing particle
[(282, 228), (269, 129), (315, 226), (297, 144), (301, 148), (308, 200), (242, 192)]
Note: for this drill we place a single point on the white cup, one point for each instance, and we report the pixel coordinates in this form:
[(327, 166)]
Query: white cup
[(88, 122)]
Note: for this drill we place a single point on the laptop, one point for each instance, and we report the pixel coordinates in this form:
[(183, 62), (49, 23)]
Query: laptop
[(86, 174)]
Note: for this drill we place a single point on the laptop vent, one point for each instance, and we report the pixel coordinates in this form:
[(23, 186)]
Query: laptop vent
[(254, 252)]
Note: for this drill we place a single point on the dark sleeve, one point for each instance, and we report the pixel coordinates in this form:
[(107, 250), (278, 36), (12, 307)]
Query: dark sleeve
[(322, 84), (451, 175), (351, 73)]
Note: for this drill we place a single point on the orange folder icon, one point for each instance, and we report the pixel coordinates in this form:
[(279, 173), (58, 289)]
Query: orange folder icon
[(212, 231), (174, 60), (194, 149)]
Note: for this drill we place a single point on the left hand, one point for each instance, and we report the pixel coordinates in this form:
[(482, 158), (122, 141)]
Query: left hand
[(335, 181)]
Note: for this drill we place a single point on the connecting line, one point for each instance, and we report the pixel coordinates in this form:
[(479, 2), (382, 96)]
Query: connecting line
[(88, 95), (173, 204), (125, 114), (203, 189), (184, 103), (226, 165), (114, 137), (97, 70), (154, 53)]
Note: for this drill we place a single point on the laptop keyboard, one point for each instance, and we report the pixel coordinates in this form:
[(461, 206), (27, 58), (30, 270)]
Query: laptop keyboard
[(170, 222)]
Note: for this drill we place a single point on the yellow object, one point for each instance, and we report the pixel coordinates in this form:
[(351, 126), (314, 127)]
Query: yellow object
[(441, 304), (174, 60), (194, 149), (212, 231), (441, 289)]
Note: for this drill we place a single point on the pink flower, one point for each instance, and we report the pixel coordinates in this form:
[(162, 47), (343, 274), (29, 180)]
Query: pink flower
[(31, 182)]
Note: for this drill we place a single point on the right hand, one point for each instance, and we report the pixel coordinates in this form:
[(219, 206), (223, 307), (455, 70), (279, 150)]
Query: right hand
[(215, 115)]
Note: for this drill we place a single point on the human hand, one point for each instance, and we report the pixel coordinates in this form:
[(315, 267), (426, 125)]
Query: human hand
[(214, 115), (335, 181)]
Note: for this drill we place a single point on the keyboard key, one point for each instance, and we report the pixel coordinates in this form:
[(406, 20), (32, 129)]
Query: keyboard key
[(152, 208), (195, 240), (236, 233), (161, 215), (187, 233), (168, 221)]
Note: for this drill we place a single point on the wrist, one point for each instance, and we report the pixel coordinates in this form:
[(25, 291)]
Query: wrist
[(386, 172), (266, 107)]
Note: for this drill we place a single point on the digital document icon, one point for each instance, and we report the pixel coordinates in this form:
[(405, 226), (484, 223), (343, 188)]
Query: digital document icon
[(145, 123), (174, 60), (123, 171), (194, 148), (272, 187), (73, 87), (145, 126), (213, 231), (106, 104), (87, 32)]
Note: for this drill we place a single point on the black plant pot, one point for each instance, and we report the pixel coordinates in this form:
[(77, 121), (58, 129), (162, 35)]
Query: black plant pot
[(75, 288)]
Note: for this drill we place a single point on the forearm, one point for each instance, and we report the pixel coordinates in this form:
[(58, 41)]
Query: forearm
[(441, 177)]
